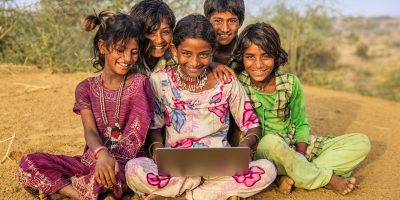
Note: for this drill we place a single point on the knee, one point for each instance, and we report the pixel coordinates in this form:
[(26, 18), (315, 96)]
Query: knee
[(269, 143), (364, 144)]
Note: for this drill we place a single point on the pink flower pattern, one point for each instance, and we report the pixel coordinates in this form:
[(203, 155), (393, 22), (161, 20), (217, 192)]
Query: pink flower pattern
[(221, 111), (185, 143), (251, 178), (249, 116), (156, 180), (179, 104)]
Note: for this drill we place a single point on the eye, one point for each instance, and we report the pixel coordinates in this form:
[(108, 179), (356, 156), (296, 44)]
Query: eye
[(217, 21), (120, 49), (204, 55), (134, 52), (267, 56), (248, 56), (186, 54), (166, 32), (233, 21)]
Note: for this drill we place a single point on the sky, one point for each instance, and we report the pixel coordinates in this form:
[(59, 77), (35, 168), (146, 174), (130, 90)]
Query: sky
[(364, 8)]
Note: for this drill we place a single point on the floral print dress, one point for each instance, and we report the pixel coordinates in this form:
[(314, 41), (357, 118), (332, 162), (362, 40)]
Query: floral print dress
[(198, 120)]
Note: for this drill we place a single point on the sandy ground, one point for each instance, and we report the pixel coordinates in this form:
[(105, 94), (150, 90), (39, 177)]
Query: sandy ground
[(36, 106)]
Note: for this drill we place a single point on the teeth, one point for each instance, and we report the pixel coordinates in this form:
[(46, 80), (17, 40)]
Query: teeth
[(158, 47)]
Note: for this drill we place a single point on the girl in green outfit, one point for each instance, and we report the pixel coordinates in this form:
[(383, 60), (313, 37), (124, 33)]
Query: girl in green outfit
[(302, 160)]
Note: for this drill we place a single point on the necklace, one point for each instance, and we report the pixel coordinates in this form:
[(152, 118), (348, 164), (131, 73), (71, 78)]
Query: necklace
[(190, 83), (262, 88), (114, 132)]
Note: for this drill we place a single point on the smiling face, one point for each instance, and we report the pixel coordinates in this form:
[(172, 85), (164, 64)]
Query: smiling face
[(258, 64), (160, 40), (119, 58), (194, 55), (226, 25)]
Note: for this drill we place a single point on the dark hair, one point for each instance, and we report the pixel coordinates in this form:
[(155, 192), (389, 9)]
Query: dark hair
[(150, 14), (264, 36), (112, 29), (234, 6), (194, 26)]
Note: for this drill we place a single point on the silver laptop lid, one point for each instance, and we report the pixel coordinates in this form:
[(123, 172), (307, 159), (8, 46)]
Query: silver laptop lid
[(224, 161)]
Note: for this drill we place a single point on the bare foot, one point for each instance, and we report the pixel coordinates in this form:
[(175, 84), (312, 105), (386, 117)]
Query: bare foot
[(341, 185), (285, 184)]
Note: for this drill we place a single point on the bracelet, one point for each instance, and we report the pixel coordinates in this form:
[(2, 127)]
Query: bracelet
[(101, 148), (151, 156), (258, 138), (302, 152)]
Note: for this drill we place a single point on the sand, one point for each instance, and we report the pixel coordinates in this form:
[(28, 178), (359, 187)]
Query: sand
[(36, 106)]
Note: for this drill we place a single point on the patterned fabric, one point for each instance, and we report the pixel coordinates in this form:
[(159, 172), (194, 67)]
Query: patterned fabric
[(281, 109), (284, 83), (142, 177), (167, 61), (198, 120), (203, 116), (137, 108)]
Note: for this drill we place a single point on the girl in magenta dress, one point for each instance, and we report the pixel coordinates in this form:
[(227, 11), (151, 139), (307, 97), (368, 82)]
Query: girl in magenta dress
[(116, 108)]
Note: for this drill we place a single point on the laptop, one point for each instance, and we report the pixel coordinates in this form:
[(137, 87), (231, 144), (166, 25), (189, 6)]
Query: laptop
[(223, 161)]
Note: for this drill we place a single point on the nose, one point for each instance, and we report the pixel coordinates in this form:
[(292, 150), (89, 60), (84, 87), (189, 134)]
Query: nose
[(225, 27), (127, 56), (258, 64), (195, 62), (157, 38)]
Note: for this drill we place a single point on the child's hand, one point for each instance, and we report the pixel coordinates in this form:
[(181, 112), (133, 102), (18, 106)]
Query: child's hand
[(223, 73), (301, 148), (106, 169)]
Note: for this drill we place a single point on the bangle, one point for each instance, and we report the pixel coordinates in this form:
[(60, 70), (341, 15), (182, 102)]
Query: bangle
[(151, 146), (258, 138), (101, 148), (302, 152)]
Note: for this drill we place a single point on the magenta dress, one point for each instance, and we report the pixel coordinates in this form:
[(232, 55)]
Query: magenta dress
[(50, 173)]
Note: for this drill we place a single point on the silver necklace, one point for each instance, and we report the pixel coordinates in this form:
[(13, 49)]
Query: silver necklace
[(189, 83)]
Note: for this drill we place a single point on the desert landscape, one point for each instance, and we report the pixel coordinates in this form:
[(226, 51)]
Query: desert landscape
[(36, 107)]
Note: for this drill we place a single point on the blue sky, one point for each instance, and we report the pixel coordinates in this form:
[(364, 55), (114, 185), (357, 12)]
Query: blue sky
[(366, 8)]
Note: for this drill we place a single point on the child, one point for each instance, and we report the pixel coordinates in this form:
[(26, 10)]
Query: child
[(158, 21), (193, 106), (226, 17), (306, 161), (116, 108)]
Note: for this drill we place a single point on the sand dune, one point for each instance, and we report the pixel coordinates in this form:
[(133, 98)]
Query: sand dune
[(36, 106)]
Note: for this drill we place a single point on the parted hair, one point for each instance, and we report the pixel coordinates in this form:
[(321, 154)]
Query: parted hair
[(113, 28), (194, 26), (150, 14), (234, 6), (264, 36)]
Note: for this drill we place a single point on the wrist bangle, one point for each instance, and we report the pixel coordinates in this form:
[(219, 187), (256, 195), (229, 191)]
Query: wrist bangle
[(302, 152), (150, 154), (101, 148), (258, 138)]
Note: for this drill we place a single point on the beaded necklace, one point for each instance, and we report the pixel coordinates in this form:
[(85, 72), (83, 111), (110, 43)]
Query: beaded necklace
[(114, 132), (189, 83)]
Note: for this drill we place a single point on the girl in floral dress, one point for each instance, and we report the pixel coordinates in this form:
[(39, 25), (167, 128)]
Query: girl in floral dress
[(116, 108), (194, 108)]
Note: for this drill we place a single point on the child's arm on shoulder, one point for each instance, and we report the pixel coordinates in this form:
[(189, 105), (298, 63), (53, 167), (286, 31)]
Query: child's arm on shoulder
[(222, 72), (106, 166), (299, 116)]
